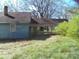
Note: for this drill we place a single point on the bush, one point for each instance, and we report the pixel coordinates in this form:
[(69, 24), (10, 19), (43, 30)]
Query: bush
[(73, 27), (70, 28), (62, 28)]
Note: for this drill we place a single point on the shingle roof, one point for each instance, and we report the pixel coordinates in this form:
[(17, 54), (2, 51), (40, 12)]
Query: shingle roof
[(25, 17), (44, 21), (48, 21), (21, 17)]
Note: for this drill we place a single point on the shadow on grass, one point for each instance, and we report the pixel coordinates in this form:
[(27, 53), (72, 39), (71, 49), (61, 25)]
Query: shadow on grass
[(33, 37)]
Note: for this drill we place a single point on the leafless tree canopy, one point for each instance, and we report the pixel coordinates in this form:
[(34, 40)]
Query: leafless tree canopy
[(48, 8), (44, 7)]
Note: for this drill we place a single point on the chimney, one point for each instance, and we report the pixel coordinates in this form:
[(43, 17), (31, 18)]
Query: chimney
[(5, 10)]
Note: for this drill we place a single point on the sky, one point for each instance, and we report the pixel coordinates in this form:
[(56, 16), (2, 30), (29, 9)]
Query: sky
[(14, 4), (19, 4), (70, 2)]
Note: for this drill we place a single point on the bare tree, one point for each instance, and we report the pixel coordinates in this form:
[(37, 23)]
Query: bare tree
[(47, 8), (44, 7)]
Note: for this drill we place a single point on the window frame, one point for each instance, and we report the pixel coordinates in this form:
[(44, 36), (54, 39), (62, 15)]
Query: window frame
[(12, 27)]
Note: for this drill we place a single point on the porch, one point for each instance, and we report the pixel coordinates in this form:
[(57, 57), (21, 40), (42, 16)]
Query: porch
[(41, 29)]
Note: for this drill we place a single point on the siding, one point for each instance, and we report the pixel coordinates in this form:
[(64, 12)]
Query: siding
[(4, 30), (22, 31)]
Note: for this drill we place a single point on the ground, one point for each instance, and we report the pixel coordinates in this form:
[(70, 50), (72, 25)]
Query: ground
[(8, 47), (41, 49)]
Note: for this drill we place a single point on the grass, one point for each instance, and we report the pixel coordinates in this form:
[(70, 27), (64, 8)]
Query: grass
[(61, 48), (65, 48)]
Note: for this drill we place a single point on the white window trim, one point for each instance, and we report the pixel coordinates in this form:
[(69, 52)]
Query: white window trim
[(13, 27)]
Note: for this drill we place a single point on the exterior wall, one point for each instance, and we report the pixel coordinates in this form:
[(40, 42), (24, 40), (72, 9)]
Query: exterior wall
[(4, 30), (22, 31)]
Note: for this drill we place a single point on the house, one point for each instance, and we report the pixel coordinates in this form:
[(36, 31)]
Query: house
[(21, 25), (14, 25)]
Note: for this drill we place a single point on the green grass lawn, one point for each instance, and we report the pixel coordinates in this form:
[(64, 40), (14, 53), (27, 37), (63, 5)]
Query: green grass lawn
[(55, 48)]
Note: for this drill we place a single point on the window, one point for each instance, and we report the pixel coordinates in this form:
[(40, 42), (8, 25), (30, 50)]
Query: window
[(12, 27)]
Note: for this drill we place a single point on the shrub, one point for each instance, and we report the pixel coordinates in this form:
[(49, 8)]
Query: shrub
[(73, 27), (70, 28), (61, 28)]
